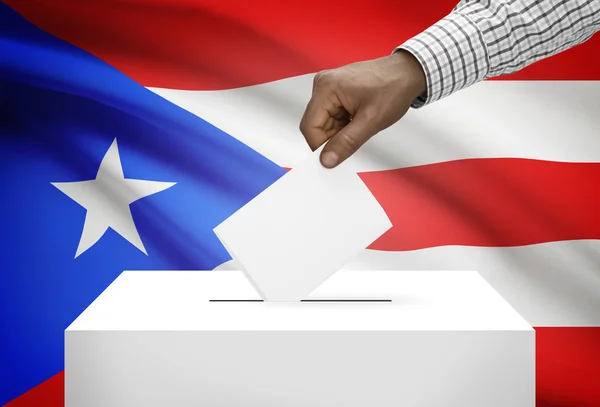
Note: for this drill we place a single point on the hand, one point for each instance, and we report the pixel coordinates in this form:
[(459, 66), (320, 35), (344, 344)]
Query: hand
[(351, 104)]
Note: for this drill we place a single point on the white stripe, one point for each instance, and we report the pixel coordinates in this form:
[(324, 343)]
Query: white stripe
[(555, 121), (550, 284)]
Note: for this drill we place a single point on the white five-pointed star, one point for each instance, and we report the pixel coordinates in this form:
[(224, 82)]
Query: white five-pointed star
[(107, 200)]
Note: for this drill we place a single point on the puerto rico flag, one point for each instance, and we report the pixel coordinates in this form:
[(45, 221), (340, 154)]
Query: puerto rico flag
[(129, 129)]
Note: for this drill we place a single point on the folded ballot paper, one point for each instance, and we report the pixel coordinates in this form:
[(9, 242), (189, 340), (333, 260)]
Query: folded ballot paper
[(302, 229)]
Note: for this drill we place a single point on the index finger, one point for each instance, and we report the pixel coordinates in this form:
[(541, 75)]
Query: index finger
[(314, 120)]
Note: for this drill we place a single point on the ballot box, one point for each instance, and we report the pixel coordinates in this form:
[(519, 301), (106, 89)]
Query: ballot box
[(363, 338)]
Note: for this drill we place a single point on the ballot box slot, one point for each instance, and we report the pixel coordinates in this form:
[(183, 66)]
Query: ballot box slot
[(346, 301), (324, 300)]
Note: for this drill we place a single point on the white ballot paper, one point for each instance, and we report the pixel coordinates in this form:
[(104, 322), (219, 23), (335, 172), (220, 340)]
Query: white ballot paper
[(302, 229)]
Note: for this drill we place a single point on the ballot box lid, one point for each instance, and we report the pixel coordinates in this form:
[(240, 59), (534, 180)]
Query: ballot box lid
[(349, 300)]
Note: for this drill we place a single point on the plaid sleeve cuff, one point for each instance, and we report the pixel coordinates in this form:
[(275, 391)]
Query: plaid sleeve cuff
[(453, 55)]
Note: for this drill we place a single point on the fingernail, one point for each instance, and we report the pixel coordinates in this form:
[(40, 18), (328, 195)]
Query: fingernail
[(329, 159)]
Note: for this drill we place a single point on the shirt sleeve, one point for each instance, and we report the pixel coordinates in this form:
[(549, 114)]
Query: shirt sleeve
[(481, 39)]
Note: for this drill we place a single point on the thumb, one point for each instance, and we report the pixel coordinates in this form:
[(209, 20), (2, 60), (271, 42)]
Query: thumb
[(347, 141)]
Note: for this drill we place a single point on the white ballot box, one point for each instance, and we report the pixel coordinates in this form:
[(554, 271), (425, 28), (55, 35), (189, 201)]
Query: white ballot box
[(362, 338)]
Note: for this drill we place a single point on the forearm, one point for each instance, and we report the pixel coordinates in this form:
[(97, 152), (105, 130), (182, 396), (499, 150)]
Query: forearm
[(486, 38)]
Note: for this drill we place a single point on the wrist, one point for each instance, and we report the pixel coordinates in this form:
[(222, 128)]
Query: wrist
[(410, 74)]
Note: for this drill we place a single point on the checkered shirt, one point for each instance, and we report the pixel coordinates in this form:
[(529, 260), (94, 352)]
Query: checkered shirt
[(480, 39)]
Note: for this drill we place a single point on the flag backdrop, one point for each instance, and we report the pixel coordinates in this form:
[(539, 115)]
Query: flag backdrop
[(191, 108)]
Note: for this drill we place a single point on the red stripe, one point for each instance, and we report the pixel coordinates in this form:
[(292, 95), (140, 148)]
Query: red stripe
[(47, 394), (207, 44), (567, 374), (487, 202), (568, 367)]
